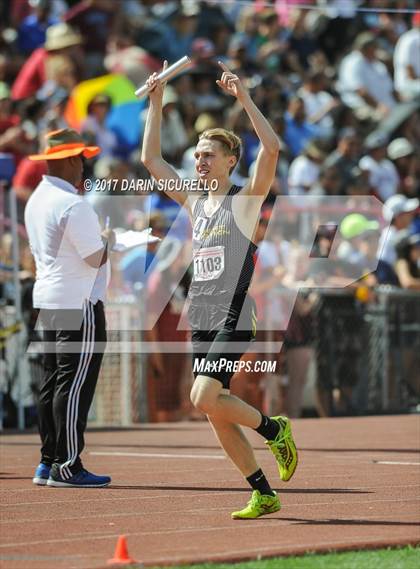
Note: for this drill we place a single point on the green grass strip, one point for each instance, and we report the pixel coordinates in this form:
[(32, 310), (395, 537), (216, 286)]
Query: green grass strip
[(402, 558)]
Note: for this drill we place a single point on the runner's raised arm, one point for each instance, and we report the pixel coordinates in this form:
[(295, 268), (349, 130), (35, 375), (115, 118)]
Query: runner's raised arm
[(151, 154), (266, 162)]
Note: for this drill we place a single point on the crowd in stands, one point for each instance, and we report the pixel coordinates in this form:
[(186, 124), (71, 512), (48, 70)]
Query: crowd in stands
[(340, 83)]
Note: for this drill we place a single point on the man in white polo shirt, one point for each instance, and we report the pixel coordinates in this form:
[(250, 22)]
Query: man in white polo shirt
[(364, 82), (407, 61), (70, 254)]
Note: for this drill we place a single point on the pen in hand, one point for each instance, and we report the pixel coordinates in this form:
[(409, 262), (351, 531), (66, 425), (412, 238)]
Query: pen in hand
[(108, 234)]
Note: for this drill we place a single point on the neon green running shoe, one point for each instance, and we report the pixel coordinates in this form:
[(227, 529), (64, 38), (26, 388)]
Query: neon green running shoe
[(259, 505), (284, 449)]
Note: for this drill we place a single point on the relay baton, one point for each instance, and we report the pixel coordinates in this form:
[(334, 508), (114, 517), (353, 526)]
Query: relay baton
[(167, 74)]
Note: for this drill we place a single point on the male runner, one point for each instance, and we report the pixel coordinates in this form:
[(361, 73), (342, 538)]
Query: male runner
[(224, 222)]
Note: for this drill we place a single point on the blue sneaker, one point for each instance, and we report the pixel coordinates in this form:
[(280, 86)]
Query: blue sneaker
[(42, 473), (82, 479)]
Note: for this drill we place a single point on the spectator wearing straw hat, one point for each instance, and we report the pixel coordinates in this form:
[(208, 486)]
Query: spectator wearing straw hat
[(65, 239), (61, 39)]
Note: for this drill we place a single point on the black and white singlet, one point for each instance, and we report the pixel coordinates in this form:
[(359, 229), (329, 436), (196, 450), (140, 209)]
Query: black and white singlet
[(223, 257)]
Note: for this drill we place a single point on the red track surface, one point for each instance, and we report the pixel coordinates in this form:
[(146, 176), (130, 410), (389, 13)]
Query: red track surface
[(177, 509)]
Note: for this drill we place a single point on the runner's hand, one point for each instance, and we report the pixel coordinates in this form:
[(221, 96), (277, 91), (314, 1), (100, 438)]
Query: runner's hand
[(109, 236), (157, 87), (230, 83)]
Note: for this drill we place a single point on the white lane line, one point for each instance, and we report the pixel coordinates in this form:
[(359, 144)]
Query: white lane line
[(194, 512), (395, 462), (224, 508), (337, 459), (164, 487), (159, 455), (186, 530)]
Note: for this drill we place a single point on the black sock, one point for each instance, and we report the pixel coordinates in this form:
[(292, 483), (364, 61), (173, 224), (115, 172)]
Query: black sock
[(258, 481), (268, 428)]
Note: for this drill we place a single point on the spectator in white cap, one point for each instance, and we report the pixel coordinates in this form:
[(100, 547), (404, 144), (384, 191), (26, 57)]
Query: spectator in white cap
[(383, 176), (407, 62), (400, 148), (401, 152), (399, 211)]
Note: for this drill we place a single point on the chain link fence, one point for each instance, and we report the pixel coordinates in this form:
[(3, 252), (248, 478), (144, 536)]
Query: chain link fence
[(121, 394), (368, 354), (394, 350)]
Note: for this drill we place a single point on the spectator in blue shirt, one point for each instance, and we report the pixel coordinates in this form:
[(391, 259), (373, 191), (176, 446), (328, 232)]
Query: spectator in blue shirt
[(298, 132), (31, 33)]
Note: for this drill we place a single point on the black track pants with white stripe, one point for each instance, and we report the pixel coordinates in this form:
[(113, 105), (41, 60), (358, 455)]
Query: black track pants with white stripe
[(76, 339)]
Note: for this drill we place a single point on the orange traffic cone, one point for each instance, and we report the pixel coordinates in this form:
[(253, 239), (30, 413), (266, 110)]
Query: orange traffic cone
[(121, 556)]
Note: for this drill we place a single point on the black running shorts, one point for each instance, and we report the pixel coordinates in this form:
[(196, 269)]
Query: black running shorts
[(221, 333)]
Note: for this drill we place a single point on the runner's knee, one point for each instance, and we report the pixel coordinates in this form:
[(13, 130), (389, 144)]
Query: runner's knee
[(203, 399)]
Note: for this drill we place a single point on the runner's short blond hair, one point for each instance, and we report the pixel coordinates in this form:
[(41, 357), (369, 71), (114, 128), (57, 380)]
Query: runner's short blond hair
[(231, 143)]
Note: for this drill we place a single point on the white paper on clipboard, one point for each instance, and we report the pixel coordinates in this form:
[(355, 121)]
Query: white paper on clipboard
[(129, 239)]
